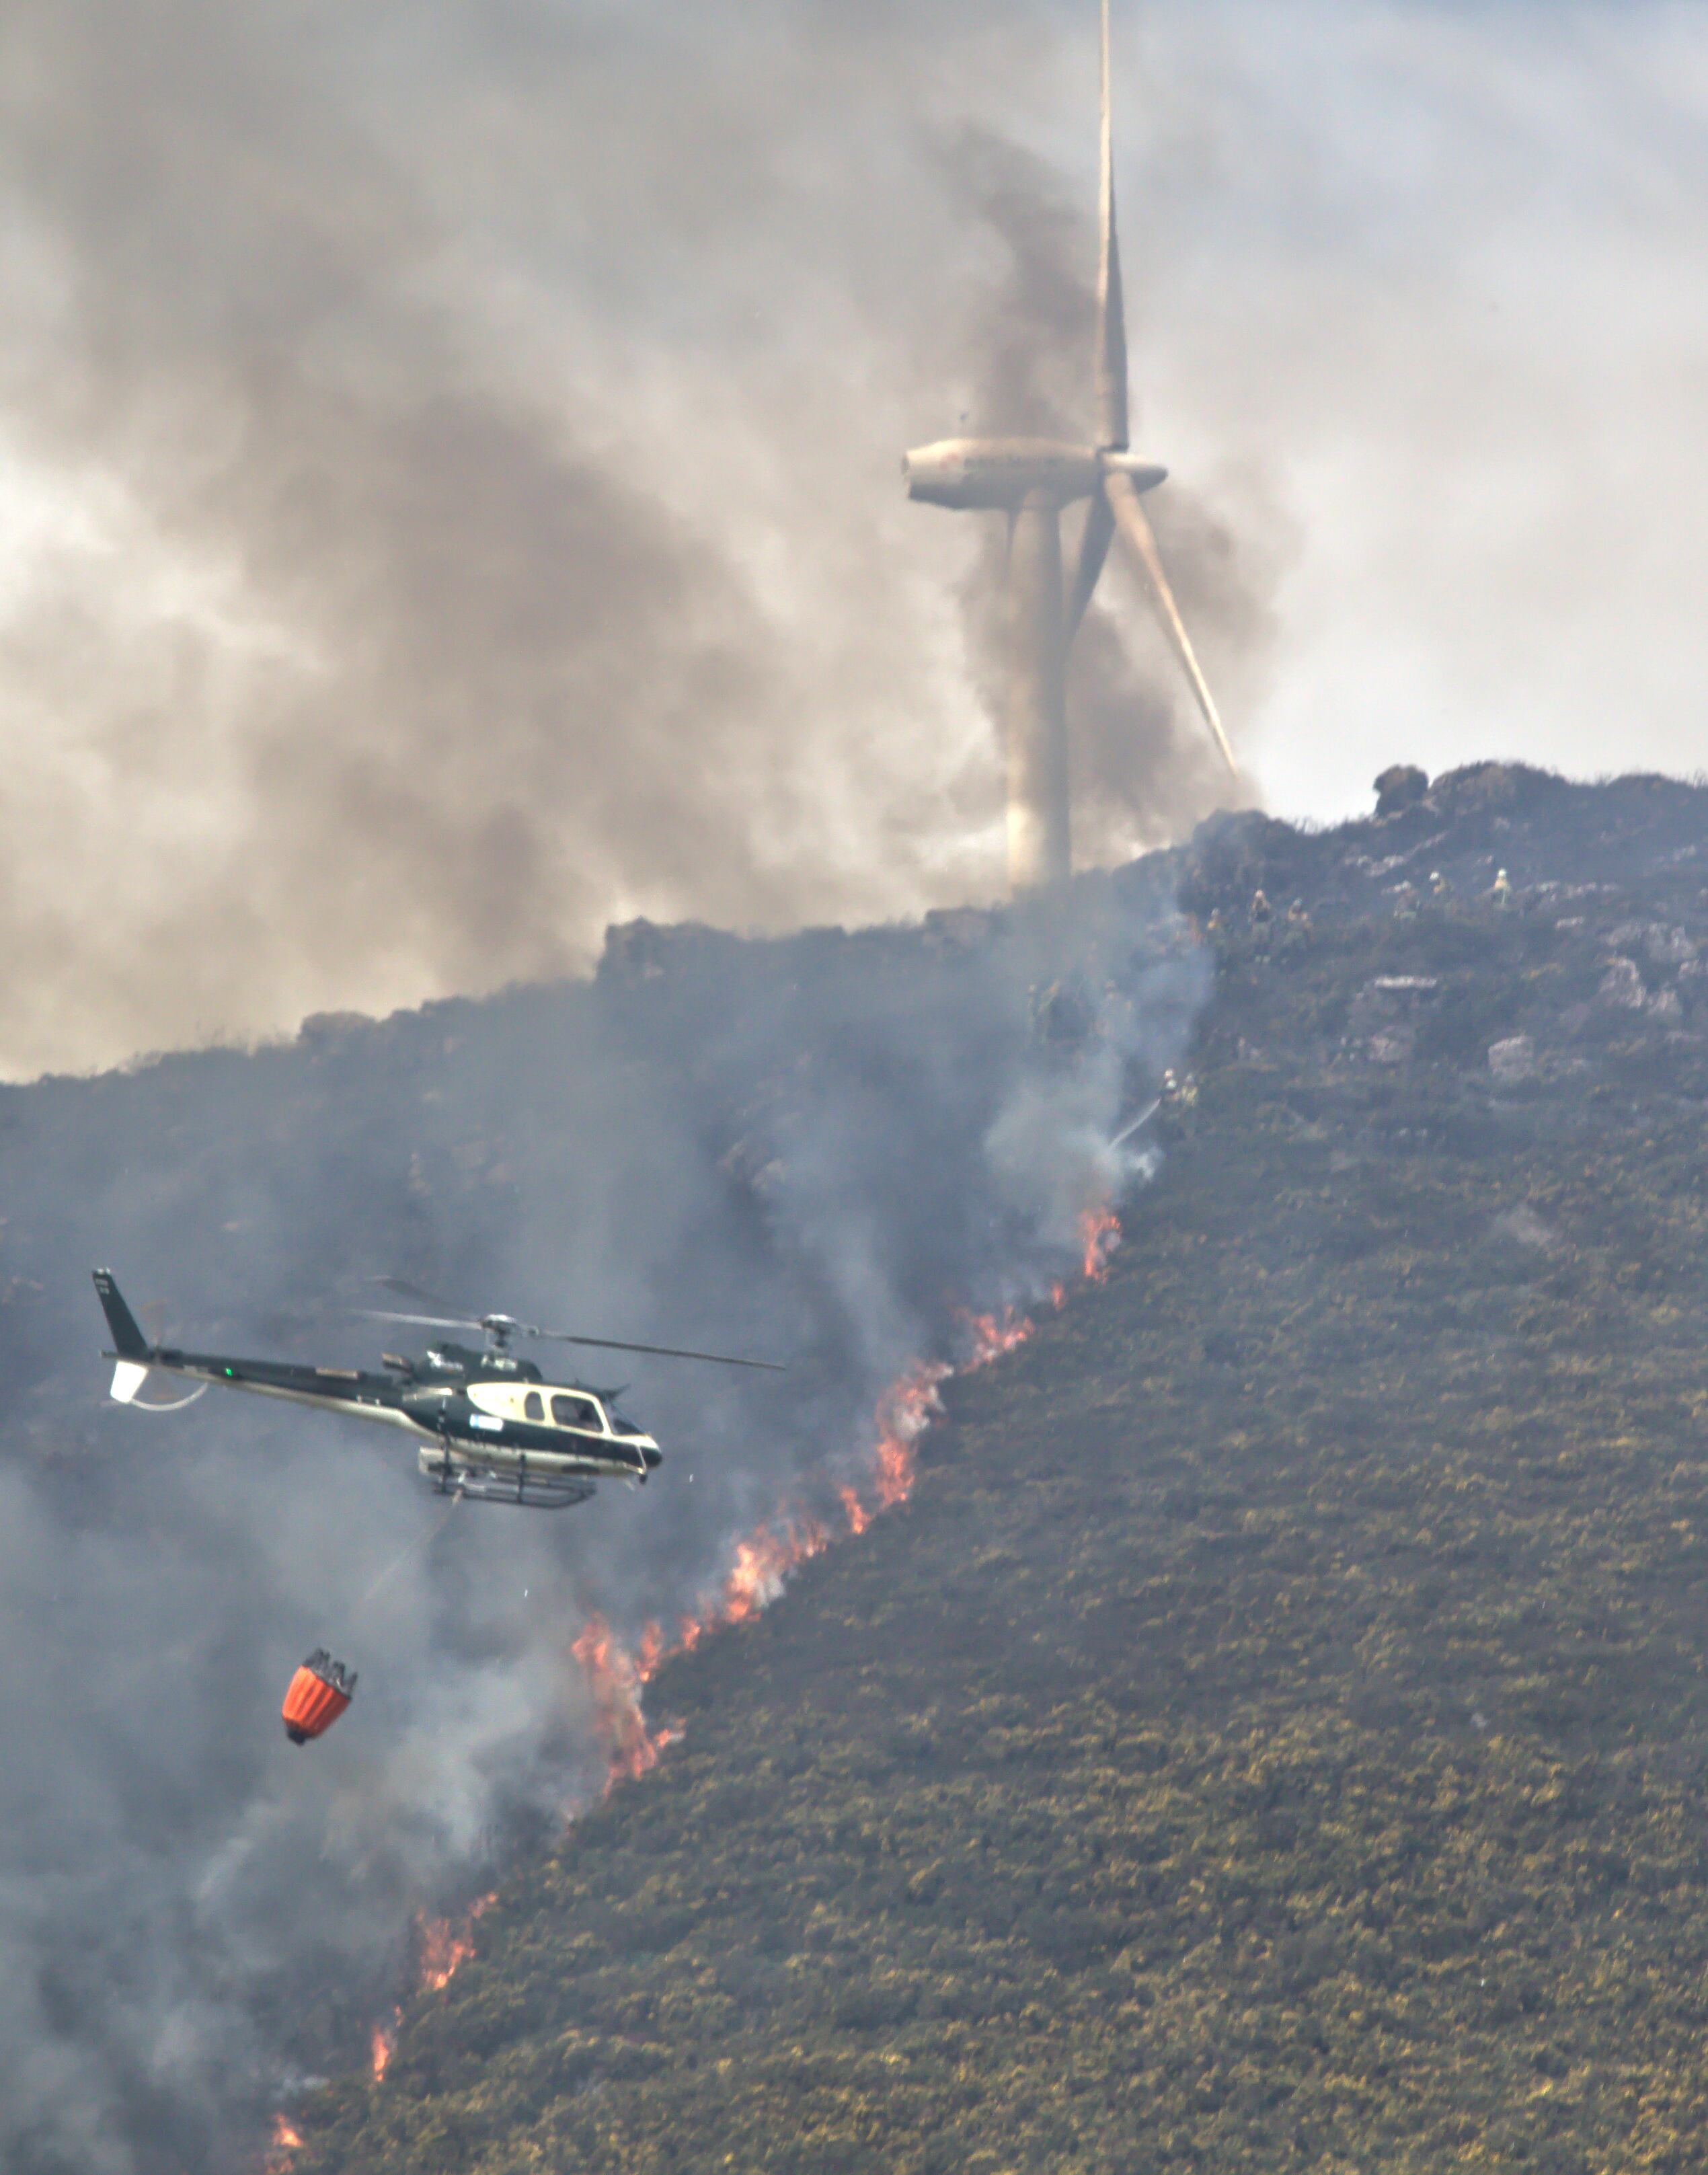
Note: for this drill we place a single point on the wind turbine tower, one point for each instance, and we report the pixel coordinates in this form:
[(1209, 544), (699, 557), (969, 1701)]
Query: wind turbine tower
[(1031, 480)]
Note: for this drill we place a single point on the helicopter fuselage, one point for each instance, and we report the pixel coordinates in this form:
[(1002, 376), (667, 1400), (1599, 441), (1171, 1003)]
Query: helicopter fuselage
[(492, 1427)]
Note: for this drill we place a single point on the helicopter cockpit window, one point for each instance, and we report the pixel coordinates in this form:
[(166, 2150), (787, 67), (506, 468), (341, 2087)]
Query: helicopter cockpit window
[(532, 1406), (574, 1412)]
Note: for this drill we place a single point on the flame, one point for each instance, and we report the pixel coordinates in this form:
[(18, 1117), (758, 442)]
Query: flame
[(385, 2037), (286, 2141), (1100, 1234), (905, 1410), (614, 1677), (443, 1947), (911, 1401), (992, 1335), (762, 1561), (764, 1558)]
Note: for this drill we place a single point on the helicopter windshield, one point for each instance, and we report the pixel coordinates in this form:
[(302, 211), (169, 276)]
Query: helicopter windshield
[(576, 1413)]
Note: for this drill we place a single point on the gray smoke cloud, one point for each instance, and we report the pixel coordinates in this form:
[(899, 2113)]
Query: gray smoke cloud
[(450, 457), (447, 454), (815, 1148), (1143, 769)]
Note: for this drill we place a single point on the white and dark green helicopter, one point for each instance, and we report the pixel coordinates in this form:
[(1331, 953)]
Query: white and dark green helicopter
[(495, 1430)]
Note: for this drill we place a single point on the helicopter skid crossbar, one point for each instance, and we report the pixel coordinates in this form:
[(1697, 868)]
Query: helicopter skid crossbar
[(527, 1491)]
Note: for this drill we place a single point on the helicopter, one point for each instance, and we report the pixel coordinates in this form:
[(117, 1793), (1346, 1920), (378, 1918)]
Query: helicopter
[(496, 1430)]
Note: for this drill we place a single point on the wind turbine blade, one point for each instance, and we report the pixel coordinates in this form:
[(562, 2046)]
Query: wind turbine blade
[(1093, 549), (1110, 368), (1130, 519)]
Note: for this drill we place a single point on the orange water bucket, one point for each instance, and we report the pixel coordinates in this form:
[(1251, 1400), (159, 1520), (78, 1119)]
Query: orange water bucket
[(318, 1695)]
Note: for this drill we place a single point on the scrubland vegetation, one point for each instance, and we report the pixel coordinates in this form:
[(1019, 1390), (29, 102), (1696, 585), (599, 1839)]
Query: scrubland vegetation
[(1275, 1734)]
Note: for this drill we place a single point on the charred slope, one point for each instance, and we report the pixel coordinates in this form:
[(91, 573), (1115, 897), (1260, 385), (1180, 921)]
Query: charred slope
[(1275, 1734)]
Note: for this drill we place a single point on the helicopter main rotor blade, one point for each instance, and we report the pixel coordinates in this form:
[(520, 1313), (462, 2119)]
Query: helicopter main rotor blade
[(451, 1320), (658, 1351), (422, 1320), (454, 1319)]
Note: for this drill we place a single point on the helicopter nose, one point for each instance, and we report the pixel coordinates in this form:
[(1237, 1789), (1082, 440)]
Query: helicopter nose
[(653, 1457)]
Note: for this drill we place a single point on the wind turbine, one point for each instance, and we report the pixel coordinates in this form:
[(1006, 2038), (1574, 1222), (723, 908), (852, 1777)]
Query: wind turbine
[(1032, 480)]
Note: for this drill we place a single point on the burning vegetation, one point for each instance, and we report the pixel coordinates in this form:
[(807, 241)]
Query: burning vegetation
[(762, 1560), (616, 1677), (1276, 1735), (286, 2144), (818, 1145)]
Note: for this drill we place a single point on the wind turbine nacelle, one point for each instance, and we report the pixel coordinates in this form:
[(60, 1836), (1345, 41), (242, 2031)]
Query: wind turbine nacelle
[(1000, 472), (1011, 473)]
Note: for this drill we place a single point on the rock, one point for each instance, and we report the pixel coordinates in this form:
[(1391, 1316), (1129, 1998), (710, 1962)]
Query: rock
[(1400, 785), (328, 1030), (1383, 1017), (1523, 1227), (1512, 1059), (1622, 985), (958, 928), (1484, 788), (634, 952), (1669, 948)]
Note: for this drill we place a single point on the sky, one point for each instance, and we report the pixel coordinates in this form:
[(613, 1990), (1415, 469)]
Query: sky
[(449, 456)]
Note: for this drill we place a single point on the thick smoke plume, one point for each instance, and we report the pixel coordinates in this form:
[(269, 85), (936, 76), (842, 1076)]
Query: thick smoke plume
[(817, 1148), (448, 476), (1143, 769)]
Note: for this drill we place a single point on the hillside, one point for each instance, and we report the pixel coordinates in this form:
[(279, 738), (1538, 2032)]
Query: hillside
[(1274, 1734)]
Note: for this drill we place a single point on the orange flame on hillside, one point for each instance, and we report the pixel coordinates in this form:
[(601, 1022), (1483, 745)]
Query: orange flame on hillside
[(763, 1561), (614, 1678), (905, 1410), (443, 1948), (384, 2039), (994, 1334), (764, 1558), (1100, 1234), (762, 1564), (286, 2141)]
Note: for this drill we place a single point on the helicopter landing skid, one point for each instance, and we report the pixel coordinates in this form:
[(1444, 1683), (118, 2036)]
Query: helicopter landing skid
[(528, 1493)]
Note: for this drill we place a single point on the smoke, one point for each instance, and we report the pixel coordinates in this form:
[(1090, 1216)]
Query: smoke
[(1143, 769), (815, 1149), (447, 455), (449, 471)]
